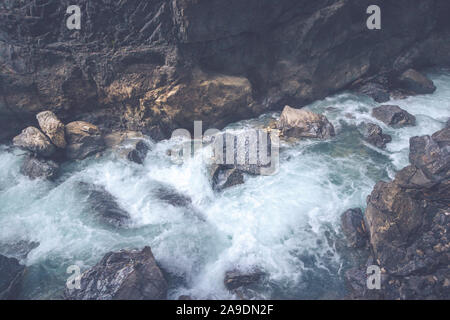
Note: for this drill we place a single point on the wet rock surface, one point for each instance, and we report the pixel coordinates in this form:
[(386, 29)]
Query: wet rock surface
[(413, 82), (36, 168), (172, 197), (376, 91), (123, 275), (394, 116), (223, 177), (104, 205), (11, 277), (32, 139), (408, 221), (136, 151), (374, 135), (354, 228), (235, 279), (301, 123), (83, 140)]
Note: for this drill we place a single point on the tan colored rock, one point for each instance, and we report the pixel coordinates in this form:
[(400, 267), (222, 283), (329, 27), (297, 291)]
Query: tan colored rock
[(53, 128), (115, 139), (302, 123), (34, 140), (84, 139)]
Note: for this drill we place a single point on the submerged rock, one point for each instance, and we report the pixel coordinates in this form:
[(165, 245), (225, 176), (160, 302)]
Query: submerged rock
[(32, 139), (301, 123), (36, 168), (373, 134), (394, 116), (104, 205), (11, 277), (53, 128), (376, 91), (235, 279), (18, 250), (416, 83), (172, 197), (123, 275), (84, 139), (354, 228)]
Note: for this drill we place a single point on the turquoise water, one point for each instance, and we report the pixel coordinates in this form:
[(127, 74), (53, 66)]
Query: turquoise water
[(286, 224)]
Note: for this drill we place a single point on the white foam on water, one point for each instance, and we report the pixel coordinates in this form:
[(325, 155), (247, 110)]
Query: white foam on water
[(286, 224)]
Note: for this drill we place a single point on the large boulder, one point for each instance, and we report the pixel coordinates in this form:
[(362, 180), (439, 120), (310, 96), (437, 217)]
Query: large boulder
[(354, 228), (416, 83), (36, 168), (123, 275), (374, 135), (394, 116), (53, 128), (105, 205), (32, 139), (11, 277), (84, 139), (301, 123)]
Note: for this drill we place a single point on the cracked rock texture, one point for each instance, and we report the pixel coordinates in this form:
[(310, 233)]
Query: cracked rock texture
[(154, 66)]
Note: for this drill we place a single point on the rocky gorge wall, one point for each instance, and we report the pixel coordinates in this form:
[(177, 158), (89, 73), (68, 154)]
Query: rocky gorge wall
[(158, 65)]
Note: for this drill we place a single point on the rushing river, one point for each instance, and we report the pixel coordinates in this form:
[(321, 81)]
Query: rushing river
[(285, 224)]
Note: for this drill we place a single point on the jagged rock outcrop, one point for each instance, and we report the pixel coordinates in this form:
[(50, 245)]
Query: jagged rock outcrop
[(84, 139), (32, 139), (409, 224), (12, 274), (301, 123), (375, 136), (53, 128), (394, 116), (159, 65), (123, 275), (36, 168)]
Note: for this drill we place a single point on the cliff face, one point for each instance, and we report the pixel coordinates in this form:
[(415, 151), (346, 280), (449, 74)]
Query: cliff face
[(159, 65)]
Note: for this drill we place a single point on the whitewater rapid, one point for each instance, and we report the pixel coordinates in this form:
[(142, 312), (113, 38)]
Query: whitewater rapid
[(285, 224)]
